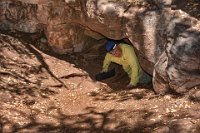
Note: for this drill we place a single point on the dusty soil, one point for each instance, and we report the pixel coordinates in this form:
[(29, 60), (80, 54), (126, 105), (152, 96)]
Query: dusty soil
[(44, 92)]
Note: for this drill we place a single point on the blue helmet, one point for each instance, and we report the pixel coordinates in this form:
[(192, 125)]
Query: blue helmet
[(110, 45)]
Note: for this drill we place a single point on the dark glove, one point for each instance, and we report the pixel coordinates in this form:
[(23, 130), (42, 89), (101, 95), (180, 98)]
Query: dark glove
[(105, 75)]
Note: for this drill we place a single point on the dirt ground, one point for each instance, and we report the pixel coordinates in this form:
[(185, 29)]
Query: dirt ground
[(41, 92)]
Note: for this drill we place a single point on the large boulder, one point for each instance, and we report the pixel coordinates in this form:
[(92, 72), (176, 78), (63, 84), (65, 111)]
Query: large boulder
[(166, 40)]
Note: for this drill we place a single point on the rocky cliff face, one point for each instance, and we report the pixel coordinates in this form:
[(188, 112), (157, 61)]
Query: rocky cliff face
[(166, 40)]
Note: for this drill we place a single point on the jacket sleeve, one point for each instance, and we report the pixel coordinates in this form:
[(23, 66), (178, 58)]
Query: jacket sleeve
[(134, 74), (106, 62), (134, 71)]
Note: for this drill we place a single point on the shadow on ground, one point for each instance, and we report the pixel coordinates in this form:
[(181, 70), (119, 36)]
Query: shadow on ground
[(90, 121)]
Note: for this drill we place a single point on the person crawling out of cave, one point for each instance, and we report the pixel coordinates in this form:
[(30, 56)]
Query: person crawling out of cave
[(124, 55)]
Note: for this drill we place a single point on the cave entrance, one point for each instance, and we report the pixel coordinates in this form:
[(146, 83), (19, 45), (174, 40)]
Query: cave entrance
[(94, 57)]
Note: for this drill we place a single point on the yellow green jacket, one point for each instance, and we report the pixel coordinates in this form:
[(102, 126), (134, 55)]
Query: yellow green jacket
[(128, 60)]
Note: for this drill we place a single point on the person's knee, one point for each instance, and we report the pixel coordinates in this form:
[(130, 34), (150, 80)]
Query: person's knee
[(145, 78)]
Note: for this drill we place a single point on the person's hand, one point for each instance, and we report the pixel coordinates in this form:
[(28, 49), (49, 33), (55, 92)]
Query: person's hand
[(130, 86)]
